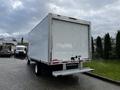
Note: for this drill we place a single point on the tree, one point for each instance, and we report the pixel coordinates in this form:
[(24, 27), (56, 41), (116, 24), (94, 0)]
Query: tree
[(107, 46), (99, 47), (118, 45), (92, 46), (22, 40)]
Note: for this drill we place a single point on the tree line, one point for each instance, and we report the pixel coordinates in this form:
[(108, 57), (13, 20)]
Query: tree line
[(106, 47)]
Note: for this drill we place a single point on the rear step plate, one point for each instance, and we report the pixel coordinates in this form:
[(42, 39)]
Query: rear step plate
[(70, 71)]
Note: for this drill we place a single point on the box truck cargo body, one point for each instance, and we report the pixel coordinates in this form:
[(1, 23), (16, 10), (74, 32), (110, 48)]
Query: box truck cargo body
[(60, 44)]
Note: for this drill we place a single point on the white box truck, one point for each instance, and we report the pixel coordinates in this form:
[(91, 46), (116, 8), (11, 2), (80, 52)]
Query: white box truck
[(59, 45), (20, 50)]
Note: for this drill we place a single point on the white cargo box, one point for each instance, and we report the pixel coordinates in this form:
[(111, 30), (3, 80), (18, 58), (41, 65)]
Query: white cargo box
[(56, 39)]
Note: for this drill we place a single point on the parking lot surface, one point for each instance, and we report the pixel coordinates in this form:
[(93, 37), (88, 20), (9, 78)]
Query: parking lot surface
[(15, 74)]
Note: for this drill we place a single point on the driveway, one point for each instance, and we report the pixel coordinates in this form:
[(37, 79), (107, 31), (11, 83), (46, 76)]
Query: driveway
[(15, 74)]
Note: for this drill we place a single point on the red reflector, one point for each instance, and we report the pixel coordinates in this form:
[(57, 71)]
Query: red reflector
[(55, 61)]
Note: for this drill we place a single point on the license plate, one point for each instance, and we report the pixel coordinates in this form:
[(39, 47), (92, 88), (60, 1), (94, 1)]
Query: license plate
[(72, 64)]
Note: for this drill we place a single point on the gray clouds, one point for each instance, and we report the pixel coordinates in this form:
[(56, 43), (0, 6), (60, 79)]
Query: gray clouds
[(104, 14), (22, 15)]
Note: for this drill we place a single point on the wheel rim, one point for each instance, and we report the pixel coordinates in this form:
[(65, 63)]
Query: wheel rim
[(36, 69)]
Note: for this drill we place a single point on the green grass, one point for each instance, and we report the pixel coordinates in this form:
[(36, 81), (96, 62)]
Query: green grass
[(106, 68)]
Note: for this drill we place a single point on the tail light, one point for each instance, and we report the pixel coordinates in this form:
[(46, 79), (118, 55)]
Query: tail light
[(55, 61)]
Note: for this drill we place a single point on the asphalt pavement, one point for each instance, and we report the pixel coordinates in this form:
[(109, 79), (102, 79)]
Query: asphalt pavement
[(15, 74)]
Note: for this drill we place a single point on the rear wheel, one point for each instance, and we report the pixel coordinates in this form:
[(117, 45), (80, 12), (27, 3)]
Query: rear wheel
[(37, 69), (28, 60)]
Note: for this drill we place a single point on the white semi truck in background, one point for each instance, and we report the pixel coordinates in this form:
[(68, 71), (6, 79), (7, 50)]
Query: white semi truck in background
[(59, 45)]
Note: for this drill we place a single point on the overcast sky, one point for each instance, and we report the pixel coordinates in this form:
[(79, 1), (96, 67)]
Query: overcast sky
[(20, 16)]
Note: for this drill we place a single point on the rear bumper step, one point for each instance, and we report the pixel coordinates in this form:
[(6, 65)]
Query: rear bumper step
[(71, 71)]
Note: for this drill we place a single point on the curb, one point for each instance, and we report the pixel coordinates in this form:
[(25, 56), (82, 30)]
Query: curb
[(102, 78)]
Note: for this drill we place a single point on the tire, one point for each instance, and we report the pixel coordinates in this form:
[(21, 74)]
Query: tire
[(15, 55), (28, 60), (37, 69)]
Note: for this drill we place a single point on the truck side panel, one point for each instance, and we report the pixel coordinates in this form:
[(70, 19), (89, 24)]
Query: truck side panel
[(38, 41)]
